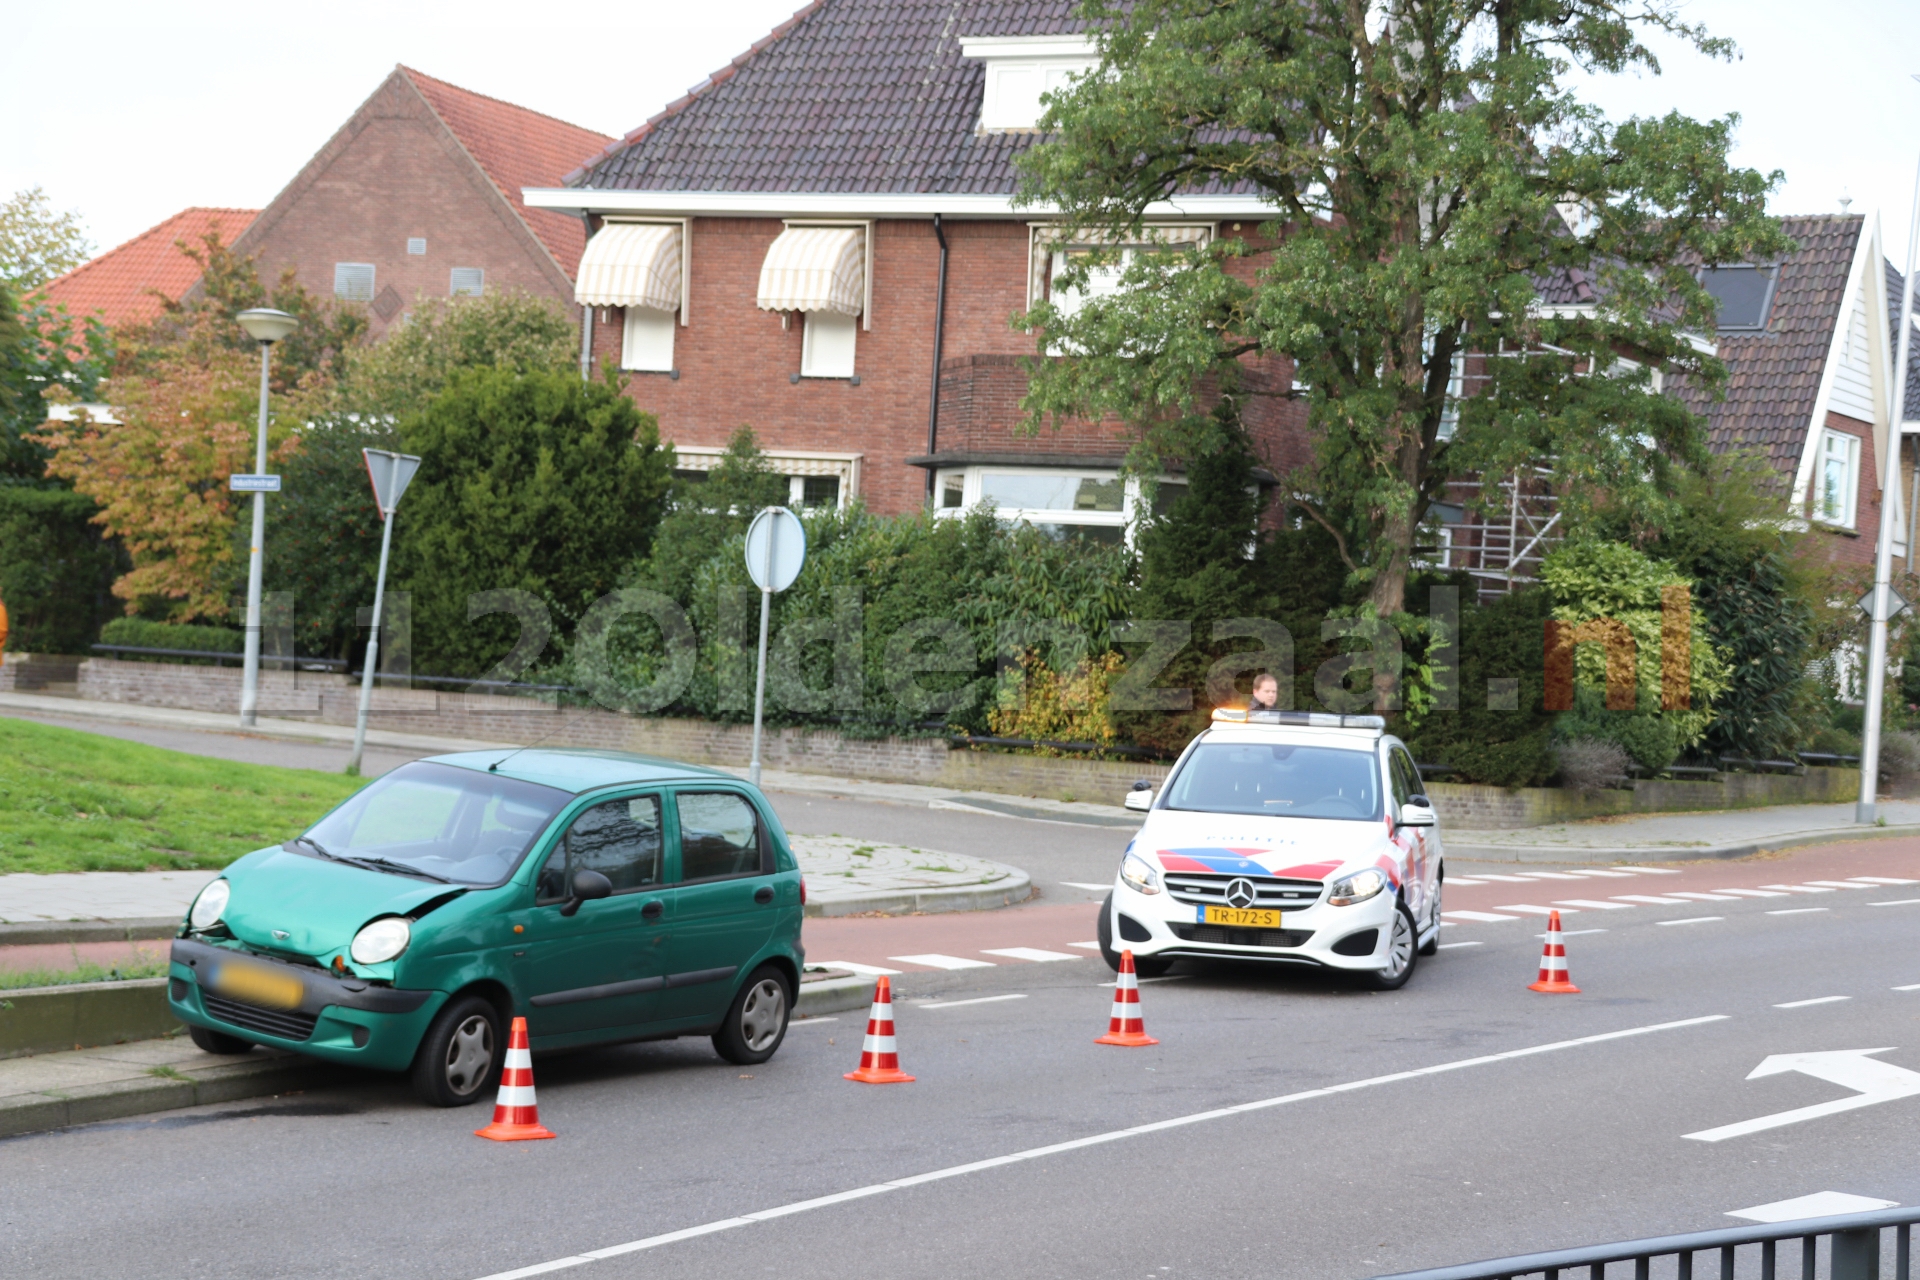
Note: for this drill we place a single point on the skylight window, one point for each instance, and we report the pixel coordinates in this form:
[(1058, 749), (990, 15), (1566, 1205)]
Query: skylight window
[(1745, 295), (1022, 68)]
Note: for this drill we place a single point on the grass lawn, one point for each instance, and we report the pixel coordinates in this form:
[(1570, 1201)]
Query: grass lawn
[(73, 801)]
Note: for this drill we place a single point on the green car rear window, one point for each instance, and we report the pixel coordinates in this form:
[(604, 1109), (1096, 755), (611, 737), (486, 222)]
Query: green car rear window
[(465, 826)]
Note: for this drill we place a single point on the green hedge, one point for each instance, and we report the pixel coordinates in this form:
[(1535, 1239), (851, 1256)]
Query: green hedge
[(142, 634), (56, 572)]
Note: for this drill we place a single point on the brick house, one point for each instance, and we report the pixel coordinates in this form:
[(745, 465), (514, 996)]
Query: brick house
[(418, 196), (132, 283), (799, 242)]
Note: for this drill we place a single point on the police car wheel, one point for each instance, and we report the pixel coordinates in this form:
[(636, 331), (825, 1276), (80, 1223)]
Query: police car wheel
[(1402, 953)]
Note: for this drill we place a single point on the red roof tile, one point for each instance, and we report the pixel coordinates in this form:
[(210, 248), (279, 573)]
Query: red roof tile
[(518, 148), (119, 285)]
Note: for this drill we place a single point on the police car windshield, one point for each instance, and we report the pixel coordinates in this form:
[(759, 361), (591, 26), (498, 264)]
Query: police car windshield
[(1278, 780)]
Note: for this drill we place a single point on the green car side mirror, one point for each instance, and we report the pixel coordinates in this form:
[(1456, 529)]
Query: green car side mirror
[(586, 885)]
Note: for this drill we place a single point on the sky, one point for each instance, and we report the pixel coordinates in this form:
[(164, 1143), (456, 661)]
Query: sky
[(146, 107)]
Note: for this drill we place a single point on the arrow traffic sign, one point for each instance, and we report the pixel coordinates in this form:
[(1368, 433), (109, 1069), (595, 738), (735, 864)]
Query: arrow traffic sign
[(1873, 1082)]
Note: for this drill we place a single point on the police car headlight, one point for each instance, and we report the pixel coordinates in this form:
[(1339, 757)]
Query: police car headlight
[(1357, 887), (382, 940), (208, 907), (1140, 877)]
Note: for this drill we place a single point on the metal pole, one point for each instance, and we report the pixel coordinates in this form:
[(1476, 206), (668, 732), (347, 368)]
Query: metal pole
[(250, 671), (373, 650), (760, 678), (1883, 554)]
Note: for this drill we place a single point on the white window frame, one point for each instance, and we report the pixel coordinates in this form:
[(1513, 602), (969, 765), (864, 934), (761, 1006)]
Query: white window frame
[(1005, 106), (1847, 448), (972, 490), (373, 282), (480, 285), (829, 345), (646, 340), (795, 464)]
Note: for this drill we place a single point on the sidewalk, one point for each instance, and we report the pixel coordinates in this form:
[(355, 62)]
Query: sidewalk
[(1677, 837)]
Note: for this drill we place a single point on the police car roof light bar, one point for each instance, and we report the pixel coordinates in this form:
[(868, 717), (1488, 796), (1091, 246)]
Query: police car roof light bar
[(1309, 719)]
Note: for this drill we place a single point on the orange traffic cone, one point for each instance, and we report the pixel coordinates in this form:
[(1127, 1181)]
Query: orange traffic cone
[(1554, 979), (1125, 1026), (879, 1060), (516, 1116)]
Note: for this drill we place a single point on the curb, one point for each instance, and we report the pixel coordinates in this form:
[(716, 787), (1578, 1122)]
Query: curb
[(1670, 853), (833, 995), (83, 1015), (38, 932), (1003, 892), (119, 1099)]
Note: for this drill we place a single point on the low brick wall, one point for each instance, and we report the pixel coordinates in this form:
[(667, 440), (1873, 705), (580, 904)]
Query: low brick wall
[(32, 672), (333, 699)]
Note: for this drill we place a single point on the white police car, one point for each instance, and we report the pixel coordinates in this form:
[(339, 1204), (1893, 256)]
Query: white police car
[(1289, 837)]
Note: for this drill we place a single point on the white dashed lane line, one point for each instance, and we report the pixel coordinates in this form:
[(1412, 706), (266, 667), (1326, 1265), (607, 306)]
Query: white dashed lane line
[(1475, 915), (1692, 920), (1796, 888), (1448, 946), (1882, 880), (934, 960), (1035, 954), (1527, 908), (955, 1004), (1797, 911), (1752, 893), (1896, 902), (1090, 888), (1595, 904), (1913, 986), (1650, 900), (1840, 884), (1697, 897), (1801, 1004), (864, 970)]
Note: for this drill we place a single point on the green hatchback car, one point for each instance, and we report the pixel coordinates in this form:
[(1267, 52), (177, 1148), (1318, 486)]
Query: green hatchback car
[(605, 897)]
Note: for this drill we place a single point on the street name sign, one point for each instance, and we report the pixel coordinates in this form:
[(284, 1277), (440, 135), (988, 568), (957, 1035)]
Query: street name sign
[(253, 484)]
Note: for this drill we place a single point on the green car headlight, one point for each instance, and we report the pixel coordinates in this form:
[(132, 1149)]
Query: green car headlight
[(383, 939), (207, 908)]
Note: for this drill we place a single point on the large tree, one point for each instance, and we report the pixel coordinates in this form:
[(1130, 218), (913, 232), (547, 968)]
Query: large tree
[(36, 243), (1429, 167)]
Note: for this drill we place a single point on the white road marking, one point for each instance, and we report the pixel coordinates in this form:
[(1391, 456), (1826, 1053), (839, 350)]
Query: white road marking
[(1463, 880), (807, 1022), (1692, 920), (1549, 875), (1595, 904), (1797, 911), (934, 960), (1801, 1004), (1882, 880), (1091, 888), (1488, 875), (1752, 893), (1080, 1144), (1840, 884), (1648, 871), (1529, 909), (864, 970), (1091, 946), (1820, 1204), (1595, 871), (1915, 986), (1872, 1081), (1896, 902), (1697, 897), (1650, 900), (1477, 915), (1448, 946), (1795, 888), (1570, 933), (1034, 954), (955, 1004)]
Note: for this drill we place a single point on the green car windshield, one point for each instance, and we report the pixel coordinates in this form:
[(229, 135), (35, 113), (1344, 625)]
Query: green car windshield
[(452, 824), (1279, 781)]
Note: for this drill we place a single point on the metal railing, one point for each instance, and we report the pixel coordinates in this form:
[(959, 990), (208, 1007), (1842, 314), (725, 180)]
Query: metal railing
[(223, 655), (1853, 1253)]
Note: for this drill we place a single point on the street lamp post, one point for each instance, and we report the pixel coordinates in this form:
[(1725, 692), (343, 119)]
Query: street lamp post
[(1881, 601), (266, 327)]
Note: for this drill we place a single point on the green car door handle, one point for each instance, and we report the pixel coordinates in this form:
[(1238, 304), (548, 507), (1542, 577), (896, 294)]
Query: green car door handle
[(763, 895), (652, 910)]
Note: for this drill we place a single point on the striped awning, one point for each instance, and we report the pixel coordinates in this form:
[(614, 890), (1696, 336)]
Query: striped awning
[(815, 269), (631, 264)]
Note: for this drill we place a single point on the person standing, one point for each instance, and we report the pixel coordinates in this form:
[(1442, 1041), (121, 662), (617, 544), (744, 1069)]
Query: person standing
[(1266, 693)]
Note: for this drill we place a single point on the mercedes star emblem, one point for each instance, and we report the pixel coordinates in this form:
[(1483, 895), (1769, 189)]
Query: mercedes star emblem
[(1240, 893)]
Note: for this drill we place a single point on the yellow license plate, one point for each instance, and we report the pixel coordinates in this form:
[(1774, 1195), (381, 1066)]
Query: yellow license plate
[(257, 984), (1243, 917)]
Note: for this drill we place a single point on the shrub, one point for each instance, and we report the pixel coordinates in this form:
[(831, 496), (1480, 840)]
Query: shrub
[(1506, 748), (56, 572), (323, 531), (1899, 755), (1588, 765), (139, 633)]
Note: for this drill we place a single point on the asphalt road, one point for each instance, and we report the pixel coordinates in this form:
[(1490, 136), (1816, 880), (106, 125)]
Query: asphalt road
[(1483, 1149)]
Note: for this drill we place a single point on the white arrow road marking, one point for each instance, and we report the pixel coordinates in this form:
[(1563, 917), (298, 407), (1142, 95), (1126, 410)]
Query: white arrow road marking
[(1821, 1204), (1855, 1069)]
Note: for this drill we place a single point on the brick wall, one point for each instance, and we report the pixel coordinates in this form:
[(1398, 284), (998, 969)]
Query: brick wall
[(736, 363), (393, 172), (1855, 547)]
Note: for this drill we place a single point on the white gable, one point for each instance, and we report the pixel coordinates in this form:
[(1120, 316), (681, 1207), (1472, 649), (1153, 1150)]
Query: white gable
[(1853, 369)]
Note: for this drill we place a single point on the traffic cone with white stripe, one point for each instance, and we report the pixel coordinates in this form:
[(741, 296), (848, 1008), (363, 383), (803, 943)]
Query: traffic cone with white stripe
[(516, 1116), (1125, 1027), (879, 1059), (1554, 979)]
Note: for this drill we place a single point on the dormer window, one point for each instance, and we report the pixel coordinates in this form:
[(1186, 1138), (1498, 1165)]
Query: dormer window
[(1745, 295), (1020, 69)]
